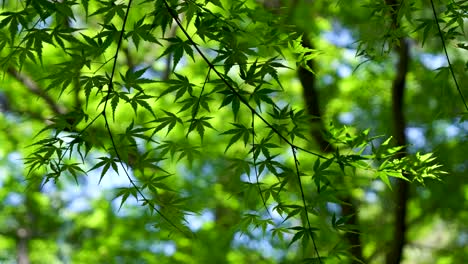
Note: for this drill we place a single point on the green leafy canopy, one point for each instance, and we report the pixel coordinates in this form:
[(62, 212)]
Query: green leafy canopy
[(143, 75)]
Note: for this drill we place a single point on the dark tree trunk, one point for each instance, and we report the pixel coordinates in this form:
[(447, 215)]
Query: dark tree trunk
[(311, 97), (395, 253)]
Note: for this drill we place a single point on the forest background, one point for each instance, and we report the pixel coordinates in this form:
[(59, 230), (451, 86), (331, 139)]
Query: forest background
[(215, 131)]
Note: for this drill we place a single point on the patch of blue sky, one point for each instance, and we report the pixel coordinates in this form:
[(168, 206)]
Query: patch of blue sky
[(168, 248), (258, 242), (342, 37), (196, 221), (452, 131), (463, 124), (45, 23), (275, 216), (15, 158), (334, 208), (13, 199), (344, 70), (10, 165), (416, 137), (79, 197), (150, 72), (339, 36), (462, 239), (378, 186), (432, 61), (371, 196), (79, 204), (252, 177), (346, 118)]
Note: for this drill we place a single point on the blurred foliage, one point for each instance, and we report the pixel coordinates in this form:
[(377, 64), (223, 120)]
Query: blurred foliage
[(165, 131)]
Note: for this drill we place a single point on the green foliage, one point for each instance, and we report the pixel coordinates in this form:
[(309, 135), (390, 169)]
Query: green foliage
[(230, 83)]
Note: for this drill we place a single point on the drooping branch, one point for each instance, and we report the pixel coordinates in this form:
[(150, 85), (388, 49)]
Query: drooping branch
[(34, 88), (460, 93), (118, 154)]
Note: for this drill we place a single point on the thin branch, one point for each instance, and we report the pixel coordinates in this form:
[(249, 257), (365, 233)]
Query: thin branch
[(197, 105), (296, 163), (246, 103), (238, 95), (111, 137), (447, 56), (257, 175)]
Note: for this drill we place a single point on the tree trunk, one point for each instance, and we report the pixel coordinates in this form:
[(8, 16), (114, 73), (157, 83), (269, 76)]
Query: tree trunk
[(22, 252), (395, 253), (311, 97)]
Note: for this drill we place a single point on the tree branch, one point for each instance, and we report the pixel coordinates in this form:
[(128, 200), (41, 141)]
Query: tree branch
[(34, 88)]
